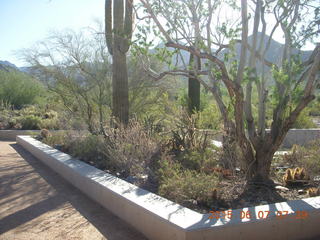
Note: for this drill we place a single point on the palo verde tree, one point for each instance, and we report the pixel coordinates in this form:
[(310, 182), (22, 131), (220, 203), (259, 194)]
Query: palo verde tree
[(75, 66), (239, 65), (118, 32)]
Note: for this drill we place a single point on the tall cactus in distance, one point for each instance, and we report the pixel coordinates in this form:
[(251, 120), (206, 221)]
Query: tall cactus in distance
[(118, 31), (194, 87)]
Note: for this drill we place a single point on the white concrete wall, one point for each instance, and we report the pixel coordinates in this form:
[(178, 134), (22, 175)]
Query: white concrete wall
[(294, 136), (301, 137), (159, 218)]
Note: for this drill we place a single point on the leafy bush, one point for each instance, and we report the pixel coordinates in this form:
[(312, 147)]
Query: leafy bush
[(182, 185), (199, 160), (89, 149), (304, 120), (19, 89), (30, 122), (49, 123), (29, 118)]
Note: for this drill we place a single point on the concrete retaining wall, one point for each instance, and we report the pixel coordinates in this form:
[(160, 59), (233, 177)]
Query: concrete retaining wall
[(294, 136), (301, 137), (161, 219)]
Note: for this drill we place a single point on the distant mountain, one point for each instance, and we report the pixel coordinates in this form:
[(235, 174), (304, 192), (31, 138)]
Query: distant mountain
[(8, 66), (272, 55), (275, 50)]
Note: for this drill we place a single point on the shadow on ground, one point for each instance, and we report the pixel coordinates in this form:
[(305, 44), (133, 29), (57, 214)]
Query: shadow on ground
[(55, 193)]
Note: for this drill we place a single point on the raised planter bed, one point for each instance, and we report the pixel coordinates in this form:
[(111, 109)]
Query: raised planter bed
[(159, 218)]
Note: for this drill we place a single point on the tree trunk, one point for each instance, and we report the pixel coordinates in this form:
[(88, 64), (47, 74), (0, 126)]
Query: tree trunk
[(120, 87), (259, 167), (194, 89), (229, 157)]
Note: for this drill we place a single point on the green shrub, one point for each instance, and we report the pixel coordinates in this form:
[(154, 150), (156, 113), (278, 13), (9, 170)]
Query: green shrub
[(49, 124), (182, 185), (30, 122), (19, 89), (89, 149), (199, 160), (304, 120)]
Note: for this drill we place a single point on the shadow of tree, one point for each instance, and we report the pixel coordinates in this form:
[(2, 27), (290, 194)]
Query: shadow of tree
[(104, 221)]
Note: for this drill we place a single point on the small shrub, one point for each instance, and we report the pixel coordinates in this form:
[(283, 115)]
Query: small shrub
[(45, 133), (30, 122), (57, 139), (186, 136), (89, 149), (130, 149), (49, 123), (199, 160), (183, 185)]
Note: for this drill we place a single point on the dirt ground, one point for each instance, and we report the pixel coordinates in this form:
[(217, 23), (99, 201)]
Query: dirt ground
[(36, 203)]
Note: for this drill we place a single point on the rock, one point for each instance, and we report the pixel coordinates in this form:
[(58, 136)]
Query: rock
[(281, 188), (143, 177), (301, 191), (277, 183), (316, 178), (191, 201), (58, 147), (132, 179)]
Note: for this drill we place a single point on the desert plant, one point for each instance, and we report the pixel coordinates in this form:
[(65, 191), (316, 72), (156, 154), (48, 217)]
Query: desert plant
[(186, 136), (19, 89), (45, 133), (130, 149), (306, 157), (294, 81), (89, 149), (118, 31), (295, 176), (313, 192), (183, 185), (30, 122), (304, 120)]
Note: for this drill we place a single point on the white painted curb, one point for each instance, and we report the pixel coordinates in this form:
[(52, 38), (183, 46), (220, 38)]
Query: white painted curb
[(159, 218)]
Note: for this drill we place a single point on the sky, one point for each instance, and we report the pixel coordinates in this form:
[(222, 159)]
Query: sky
[(24, 22)]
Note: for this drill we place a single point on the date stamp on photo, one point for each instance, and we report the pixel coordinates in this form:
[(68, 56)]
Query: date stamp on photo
[(229, 214)]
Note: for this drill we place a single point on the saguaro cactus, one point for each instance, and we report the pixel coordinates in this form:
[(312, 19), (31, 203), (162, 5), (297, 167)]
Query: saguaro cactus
[(118, 31), (194, 89)]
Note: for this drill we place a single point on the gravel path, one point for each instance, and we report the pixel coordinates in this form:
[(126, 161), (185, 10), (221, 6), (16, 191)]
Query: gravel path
[(36, 203)]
